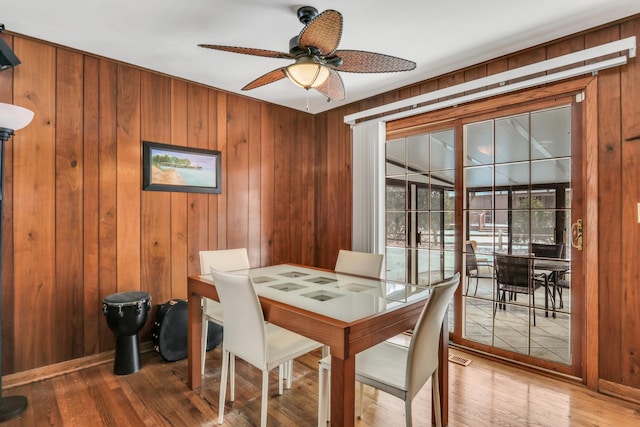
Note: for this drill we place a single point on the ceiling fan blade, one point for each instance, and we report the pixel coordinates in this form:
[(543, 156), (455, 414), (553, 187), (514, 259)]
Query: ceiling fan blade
[(270, 77), (333, 87), (359, 61), (323, 33), (249, 51)]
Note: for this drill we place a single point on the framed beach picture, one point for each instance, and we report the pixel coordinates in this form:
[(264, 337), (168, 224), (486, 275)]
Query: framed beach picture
[(174, 168)]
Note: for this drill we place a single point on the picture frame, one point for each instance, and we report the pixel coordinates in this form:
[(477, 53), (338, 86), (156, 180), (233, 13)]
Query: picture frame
[(169, 167)]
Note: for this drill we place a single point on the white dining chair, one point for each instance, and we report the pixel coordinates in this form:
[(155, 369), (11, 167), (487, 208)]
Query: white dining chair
[(222, 260), (398, 370), (359, 263), (249, 337)]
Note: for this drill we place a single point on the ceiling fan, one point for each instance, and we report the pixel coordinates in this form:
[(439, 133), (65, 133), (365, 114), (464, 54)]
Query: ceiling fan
[(317, 59)]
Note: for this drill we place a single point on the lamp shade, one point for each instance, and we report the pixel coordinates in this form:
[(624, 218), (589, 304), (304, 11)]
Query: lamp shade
[(307, 73), (14, 117)]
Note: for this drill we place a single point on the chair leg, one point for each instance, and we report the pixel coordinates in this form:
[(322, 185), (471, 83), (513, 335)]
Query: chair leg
[(223, 384), (407, 412), (435, 385), (205, 327), (475, 291), (323, 396), (560, 302), (281, 369), (325, 351), (286, 374), (500, 302), (361, 390), (232, 370), (265, 396), (289, 374)]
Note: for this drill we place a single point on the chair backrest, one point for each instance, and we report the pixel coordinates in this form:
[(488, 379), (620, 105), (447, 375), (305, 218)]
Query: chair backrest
[(244, 327), (224, 260), (359, 263), (470, 257), (515, 271), (543, 250), (423, 351)]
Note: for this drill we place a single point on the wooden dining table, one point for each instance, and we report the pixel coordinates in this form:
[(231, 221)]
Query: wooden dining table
[(347, 313)]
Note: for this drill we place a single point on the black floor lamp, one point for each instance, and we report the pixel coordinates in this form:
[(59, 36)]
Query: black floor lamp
[(12, 118)]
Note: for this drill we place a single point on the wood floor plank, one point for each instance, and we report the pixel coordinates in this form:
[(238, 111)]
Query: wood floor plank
[(485, 393)]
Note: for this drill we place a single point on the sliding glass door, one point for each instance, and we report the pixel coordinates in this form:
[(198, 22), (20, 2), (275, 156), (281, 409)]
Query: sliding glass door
[(479, 194), (517, 203), (420, 188)]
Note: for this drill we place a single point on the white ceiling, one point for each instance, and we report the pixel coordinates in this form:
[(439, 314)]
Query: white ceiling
[(440, 36)]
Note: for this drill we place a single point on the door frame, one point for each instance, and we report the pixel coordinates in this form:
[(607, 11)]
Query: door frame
[(585, 90)]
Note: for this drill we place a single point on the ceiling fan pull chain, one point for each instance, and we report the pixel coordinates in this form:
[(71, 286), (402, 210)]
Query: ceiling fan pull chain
[(307, 100)]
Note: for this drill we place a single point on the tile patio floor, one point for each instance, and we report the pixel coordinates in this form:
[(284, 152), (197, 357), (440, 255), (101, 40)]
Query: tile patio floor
[(512, 329)]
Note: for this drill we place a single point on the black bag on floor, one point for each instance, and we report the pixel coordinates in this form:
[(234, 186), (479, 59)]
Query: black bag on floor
[(170, 331)]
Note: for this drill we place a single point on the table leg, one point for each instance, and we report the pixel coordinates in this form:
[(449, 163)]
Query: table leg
[(343, 386), (194, 341)]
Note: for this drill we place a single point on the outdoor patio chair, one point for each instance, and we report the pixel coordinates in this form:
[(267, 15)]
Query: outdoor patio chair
[(515, 275)]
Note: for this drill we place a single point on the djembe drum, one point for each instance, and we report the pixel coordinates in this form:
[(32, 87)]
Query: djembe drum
[(126, 314)]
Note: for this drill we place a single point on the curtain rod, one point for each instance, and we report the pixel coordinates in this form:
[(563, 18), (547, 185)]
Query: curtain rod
[(501, 78)]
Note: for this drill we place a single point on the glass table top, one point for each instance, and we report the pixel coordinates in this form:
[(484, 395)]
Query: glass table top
[(339, 296)]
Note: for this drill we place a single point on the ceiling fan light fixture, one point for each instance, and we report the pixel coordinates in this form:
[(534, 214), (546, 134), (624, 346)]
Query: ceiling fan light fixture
[(307, 73)]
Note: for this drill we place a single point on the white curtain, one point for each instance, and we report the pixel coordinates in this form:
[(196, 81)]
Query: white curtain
[(368, 186)]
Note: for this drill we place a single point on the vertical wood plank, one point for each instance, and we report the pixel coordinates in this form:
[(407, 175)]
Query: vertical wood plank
[(294, 143), (282, 201), (525, 58), (93, 318), (155, 226), (332, 186), (197, 137), (254, 171), (107, 208), (308, 197), (128, 179), (267, 184), (495, 67), (346, 177), (474, 74), (179, 231), (564, 47), (34, 207), (212, 235), (222, 147), (237, 153), (68, 206), (450, 80), (322, 227), (585, 315)]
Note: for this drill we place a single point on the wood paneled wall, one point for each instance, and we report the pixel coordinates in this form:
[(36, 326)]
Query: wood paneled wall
[(618, 122), (77, 225)]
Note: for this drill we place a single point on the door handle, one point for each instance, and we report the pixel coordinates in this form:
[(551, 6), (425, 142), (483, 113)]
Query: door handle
[(576, 234)]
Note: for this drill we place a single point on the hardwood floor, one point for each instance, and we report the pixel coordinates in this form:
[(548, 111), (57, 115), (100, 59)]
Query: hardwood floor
[(485, 393)]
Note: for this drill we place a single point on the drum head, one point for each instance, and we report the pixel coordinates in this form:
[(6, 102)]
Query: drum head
[(126, 298)]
